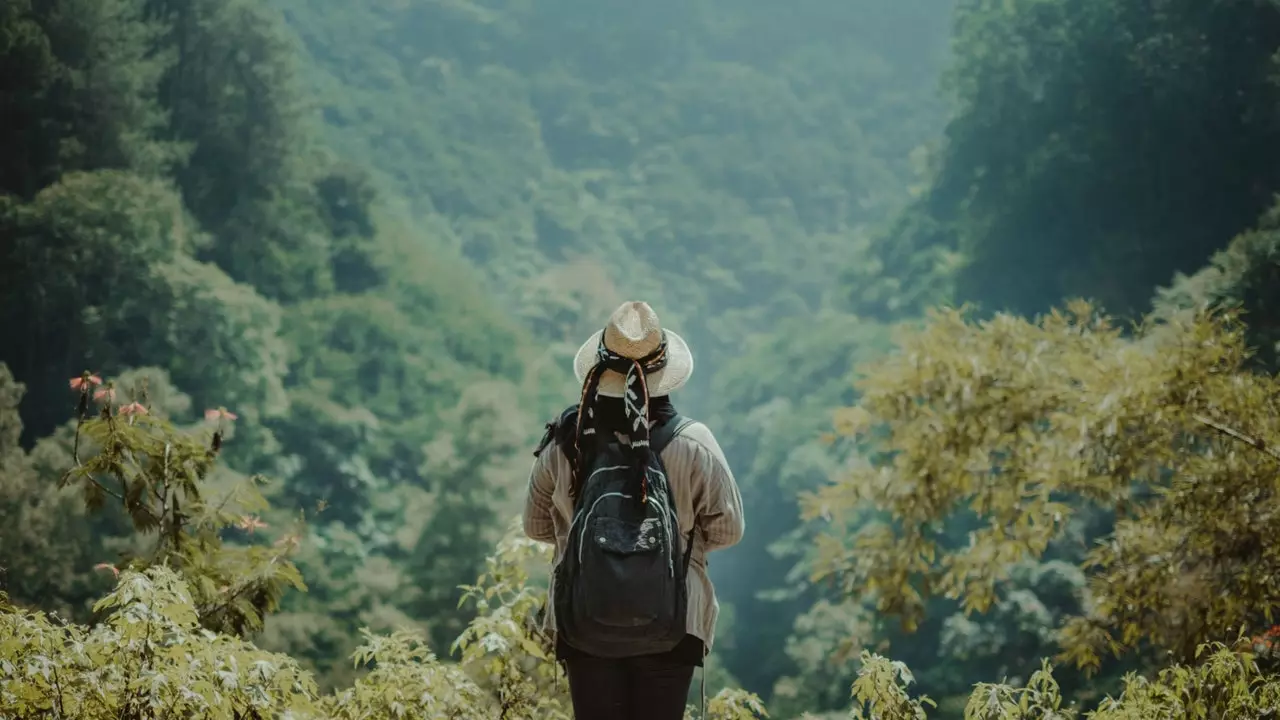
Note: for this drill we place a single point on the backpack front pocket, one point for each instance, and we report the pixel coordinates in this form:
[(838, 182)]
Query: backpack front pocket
[(627, 567)]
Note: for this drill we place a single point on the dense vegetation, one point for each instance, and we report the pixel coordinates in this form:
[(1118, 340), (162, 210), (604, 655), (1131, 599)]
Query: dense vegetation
[(327, 263), (168, 640)]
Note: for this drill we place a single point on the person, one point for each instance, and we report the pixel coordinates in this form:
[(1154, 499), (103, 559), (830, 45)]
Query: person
[(628, 371)]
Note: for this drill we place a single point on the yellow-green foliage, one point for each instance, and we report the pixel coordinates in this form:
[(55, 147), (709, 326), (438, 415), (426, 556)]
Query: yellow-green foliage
[(149, 658), (1009, 416), (1022, 424), (167, 645), (503, 644), (880, 692), (1226, 685), (407, 680), (163, 478)]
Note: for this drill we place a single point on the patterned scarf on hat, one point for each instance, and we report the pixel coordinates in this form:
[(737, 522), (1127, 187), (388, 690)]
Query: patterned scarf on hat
[(635, 403)]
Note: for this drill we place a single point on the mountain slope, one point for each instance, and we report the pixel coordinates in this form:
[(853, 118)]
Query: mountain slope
[(725, 160)]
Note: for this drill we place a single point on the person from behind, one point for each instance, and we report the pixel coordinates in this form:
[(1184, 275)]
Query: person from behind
[(634, 497)]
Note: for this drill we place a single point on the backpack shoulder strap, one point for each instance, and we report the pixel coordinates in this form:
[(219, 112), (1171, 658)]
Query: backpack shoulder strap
[(559, 430), (667, 432)]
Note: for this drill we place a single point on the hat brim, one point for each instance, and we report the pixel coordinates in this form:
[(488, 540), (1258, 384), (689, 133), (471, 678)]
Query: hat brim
[(663, 382)]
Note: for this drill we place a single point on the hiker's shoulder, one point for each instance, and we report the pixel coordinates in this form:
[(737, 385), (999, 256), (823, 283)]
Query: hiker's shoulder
[(696, 449)]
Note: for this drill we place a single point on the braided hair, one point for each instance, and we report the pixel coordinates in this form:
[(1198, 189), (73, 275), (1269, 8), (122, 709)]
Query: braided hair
[(635, 403)]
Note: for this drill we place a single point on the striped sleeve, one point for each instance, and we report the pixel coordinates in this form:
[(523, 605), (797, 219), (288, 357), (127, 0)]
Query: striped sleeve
[(538, 507), (717, 500)]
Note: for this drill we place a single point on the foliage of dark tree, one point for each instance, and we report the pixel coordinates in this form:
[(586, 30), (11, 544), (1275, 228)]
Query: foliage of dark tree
[(167, 204), (1245, 275), (96, 269), (1097, 148), (78, 91)]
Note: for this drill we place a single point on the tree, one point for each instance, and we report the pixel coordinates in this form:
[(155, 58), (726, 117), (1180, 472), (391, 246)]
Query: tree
[(1003, 429), (98, 267), (46, 542), (1245, 276), (1097, 148), (167, 483), (824, 649), (463, 470), (772, 405), (78, 92), (234, 99)]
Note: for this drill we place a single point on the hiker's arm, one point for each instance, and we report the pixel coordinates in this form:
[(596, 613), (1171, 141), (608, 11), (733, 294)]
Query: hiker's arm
[(719, 504), (537, 505)]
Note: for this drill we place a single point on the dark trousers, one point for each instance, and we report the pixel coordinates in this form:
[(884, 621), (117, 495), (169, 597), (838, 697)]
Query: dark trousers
[(652, 687)]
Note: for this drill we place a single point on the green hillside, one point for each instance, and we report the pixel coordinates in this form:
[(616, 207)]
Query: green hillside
[(722, 160), (330, 262)]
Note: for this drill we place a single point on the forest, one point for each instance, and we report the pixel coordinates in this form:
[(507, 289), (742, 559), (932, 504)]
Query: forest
[(984, 297)]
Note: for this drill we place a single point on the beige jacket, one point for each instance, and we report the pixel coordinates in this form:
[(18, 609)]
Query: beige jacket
[(706, 497)]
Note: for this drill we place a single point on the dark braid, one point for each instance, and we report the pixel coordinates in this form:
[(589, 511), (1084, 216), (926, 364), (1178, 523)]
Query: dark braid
[(635, 402)]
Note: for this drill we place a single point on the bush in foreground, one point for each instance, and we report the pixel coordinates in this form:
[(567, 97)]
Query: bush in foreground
[(150, 659), (169, 640)]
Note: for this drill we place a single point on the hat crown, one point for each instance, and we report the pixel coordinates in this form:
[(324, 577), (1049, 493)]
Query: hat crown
[(633, 330)]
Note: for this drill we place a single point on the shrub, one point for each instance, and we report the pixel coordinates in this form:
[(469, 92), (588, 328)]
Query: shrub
[(169, 639)]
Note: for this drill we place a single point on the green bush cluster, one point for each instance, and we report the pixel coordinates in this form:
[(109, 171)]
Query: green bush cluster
[(150, 658), (172, 638)]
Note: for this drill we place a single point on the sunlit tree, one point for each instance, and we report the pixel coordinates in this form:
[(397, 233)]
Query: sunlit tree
[(1006, 427)]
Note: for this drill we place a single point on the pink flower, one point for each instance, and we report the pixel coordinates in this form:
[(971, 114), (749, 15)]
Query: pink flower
[(108, 566), (78, 383), (219, 414), (108, 393), (249, 523), (133, 408)]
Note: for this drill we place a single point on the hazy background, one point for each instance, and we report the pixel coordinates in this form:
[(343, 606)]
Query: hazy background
[(378, 230)]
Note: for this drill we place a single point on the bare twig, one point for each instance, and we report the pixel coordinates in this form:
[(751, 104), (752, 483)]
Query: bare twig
[(75, 446), (1256, 443)]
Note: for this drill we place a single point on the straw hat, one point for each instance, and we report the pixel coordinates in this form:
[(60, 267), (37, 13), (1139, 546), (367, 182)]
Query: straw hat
[(634, 332)]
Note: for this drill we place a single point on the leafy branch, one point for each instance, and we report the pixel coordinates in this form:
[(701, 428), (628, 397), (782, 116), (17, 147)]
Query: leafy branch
[(164, 475)]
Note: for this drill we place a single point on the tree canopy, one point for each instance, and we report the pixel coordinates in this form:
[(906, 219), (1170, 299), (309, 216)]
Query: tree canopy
[(983, 441)]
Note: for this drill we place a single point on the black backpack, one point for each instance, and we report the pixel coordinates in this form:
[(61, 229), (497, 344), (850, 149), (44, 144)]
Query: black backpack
[(620, 588)]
